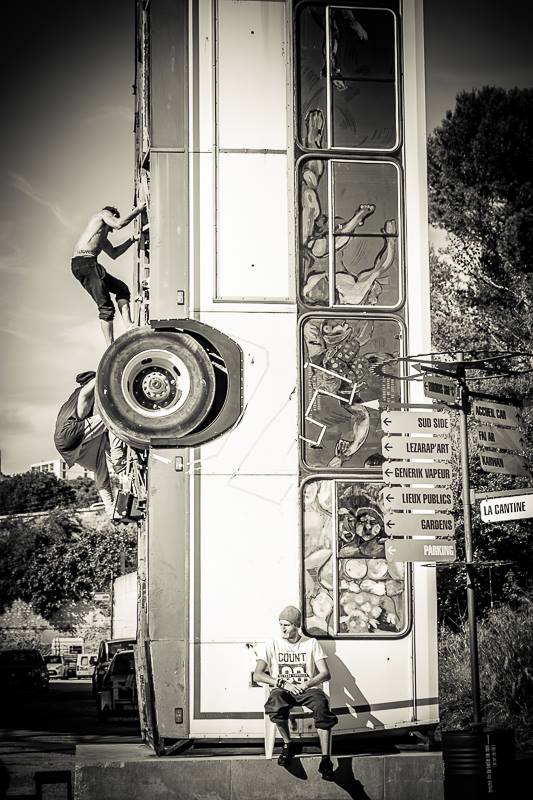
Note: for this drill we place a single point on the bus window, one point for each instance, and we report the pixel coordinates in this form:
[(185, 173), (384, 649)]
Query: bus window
[(350, 588), (347, 69), (342, 357), (350, 209)]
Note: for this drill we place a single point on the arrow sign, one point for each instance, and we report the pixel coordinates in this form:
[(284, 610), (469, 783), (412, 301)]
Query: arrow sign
[(411, 474), (403, 498), (419, 524), (506, 464), (499, 509), (503, 438), (440, 389), (415, 448), (417, 550), (496, 413), (434, 422)]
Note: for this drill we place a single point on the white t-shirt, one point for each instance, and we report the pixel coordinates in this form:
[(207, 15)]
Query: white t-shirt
[(294, 662)]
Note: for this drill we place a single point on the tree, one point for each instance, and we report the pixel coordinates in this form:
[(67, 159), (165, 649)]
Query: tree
[(53, 560), (85, 491), (480, 183), (480, 172), (34, 491)]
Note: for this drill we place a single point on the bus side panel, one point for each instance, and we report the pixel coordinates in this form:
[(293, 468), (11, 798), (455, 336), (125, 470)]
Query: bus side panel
[(265, 439)]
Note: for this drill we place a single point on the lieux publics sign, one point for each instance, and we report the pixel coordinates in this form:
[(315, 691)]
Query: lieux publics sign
[(404, 498), (433, 422), (500, 509), (420, 550)]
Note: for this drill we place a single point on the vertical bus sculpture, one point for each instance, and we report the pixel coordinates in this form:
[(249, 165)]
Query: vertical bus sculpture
[(281, 147)]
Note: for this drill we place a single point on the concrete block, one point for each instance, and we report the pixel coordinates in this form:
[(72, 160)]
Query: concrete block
[(413, 776), (265, 780), (133, 772), (141, 775)]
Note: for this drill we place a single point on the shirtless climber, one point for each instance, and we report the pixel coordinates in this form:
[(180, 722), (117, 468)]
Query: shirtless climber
[(81, 438), (93, 277)]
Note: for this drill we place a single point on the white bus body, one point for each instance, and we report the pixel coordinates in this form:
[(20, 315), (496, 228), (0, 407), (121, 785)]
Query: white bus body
[(282, 150)]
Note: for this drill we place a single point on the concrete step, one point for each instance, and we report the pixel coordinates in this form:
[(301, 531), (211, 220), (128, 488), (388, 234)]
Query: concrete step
[(134, 772)]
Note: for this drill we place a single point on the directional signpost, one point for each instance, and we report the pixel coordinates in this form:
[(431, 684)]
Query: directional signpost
[(498, 413), (417, 447), (405, 498), (403, 524), (500, 509), (419, 550), (502, 438), (443, 389), (503, 463), (434, 422), (406, 472)]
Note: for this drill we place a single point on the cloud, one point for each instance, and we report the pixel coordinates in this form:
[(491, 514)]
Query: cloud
[(109, 112), (19, 335), (24, 186)]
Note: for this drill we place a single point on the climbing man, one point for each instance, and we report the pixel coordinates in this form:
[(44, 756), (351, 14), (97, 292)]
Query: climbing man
[(81, 438), (295, 667), (92, 275)]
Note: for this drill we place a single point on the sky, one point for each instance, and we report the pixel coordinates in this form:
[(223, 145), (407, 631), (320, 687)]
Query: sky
[(67, 149)]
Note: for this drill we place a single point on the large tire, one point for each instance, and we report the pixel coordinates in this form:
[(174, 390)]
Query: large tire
[(154, 385)]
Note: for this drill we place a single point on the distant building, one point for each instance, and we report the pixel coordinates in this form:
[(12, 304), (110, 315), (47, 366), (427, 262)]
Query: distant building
[(59, 468)]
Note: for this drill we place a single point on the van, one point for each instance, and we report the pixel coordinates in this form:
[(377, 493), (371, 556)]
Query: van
[(106, 651), (85, 665)]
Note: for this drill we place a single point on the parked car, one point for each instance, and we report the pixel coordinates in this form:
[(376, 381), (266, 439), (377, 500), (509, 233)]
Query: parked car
[(118, 694), (85, 665), (57, 666), (106, 651), (23, 668), (71, 665)]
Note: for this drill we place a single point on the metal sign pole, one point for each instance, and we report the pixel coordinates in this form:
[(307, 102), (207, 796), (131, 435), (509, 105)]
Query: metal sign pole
[(469, 550)]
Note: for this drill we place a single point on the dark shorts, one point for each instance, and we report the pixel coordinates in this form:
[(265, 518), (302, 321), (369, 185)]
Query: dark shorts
[(100, 284), (280, 703)]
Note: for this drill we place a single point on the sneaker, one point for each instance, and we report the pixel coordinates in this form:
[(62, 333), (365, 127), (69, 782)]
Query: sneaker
[(326, 768), (286, 754)]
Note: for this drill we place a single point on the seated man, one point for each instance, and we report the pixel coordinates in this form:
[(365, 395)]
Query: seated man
[(81, 438), (295, 666)]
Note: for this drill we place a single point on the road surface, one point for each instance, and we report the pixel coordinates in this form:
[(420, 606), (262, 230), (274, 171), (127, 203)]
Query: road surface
[(40, 732)]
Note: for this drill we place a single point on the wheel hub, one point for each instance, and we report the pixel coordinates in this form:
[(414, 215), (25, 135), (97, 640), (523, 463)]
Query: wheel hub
[(155, 383)]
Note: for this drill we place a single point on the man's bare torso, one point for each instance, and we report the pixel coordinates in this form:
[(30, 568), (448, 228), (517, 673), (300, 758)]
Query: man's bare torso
[(93, 238)]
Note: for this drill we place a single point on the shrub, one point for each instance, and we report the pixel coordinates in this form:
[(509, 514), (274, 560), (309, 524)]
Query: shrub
[(505, 642)]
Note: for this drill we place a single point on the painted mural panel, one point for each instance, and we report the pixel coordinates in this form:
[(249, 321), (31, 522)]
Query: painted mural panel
[(363, 202), (319, 558), (361, 107), (350, 588), (341, 361), (371, 590)]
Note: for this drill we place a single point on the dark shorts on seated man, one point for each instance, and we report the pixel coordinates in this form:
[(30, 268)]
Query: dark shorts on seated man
[(99, 284), (280, 702)]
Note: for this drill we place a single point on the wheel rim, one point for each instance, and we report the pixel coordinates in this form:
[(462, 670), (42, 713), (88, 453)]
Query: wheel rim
[(155, 383)]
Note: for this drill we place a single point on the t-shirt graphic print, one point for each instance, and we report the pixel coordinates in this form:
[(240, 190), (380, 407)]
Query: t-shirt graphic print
[(295, 662)]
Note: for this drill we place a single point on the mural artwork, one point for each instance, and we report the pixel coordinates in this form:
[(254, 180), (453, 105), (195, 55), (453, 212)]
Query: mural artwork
[(350, 588), (341, 362), (359, 222)]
